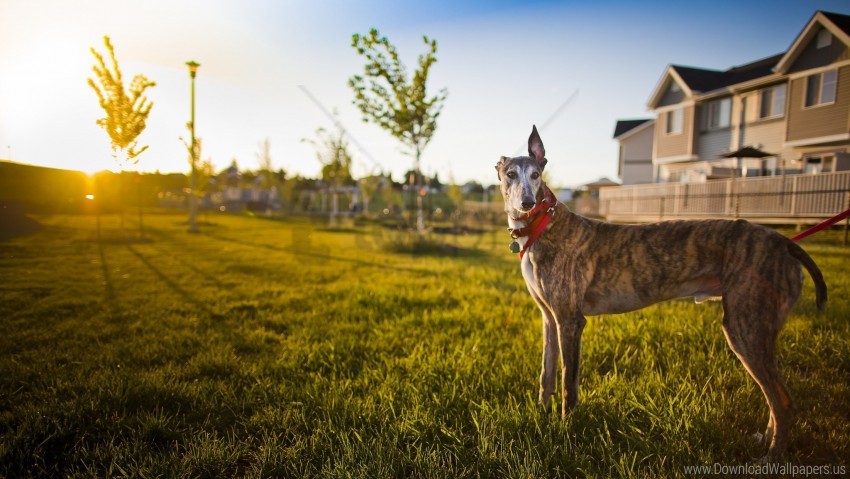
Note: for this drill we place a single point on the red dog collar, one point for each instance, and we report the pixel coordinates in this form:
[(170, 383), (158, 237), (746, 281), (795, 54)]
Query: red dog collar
[(540, 217)]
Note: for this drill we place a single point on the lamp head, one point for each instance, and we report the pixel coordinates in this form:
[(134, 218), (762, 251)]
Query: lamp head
[(193, 67)]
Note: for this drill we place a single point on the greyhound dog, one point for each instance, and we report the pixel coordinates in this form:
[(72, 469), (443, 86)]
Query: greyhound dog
[(575, 266)]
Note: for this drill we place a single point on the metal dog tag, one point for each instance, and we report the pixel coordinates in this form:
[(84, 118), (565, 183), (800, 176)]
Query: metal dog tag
[(514, 247)]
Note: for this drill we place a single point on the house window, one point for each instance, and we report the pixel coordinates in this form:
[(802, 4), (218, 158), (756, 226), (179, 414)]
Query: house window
[(772, 102), (674, 122), (820, 88), (824, 38), (717, 114)]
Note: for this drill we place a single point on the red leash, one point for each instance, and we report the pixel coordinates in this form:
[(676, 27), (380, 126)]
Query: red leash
[(822, 226)]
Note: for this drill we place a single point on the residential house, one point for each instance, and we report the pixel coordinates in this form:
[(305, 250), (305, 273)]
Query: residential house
[(795, 106), (238, 192), (635, 138)]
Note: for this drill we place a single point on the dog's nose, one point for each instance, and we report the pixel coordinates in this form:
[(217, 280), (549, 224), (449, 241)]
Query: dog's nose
[(527, 205)]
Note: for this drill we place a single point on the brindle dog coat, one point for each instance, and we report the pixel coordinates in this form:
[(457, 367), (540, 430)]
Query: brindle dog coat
[(580, 267)]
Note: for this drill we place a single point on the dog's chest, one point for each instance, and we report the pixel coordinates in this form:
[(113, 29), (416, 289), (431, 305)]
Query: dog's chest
[(526, 265), (528, 274)]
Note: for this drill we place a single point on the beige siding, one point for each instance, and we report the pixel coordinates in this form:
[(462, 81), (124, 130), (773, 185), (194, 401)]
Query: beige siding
[(823, 120), (678, 144), (814, 57), (711, 144), (636, 157), (671, 97), (767, 135), (637, 173), (639, 145)]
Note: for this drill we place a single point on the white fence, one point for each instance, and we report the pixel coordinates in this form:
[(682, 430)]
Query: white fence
[(775, 199)]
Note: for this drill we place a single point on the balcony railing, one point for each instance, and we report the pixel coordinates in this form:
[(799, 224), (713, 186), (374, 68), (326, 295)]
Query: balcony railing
[(775, 199)]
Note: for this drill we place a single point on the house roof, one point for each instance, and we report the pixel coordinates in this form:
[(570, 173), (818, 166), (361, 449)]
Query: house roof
[(601, 182), (839, 20), (702, 80), (837, 24), (625, 126), (696, 81), (699, 79)]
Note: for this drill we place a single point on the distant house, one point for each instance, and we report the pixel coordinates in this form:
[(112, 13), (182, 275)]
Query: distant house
[(635, 139), (586, 197), (793, 106), (238, 192)]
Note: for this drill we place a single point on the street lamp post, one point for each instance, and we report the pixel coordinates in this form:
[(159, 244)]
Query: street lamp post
[(193, 227)]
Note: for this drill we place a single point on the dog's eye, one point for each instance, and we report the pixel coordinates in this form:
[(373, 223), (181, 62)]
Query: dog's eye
[(511, 175), (535, 175)]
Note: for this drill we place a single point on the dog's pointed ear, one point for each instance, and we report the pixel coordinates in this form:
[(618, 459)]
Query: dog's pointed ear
[(499, 164), (535, 147)]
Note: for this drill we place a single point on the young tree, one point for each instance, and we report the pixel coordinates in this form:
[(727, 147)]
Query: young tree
[(369, 185), (264, 161), (397, 103), (332, 153), (202, 179), (126, 110), (270, 178)]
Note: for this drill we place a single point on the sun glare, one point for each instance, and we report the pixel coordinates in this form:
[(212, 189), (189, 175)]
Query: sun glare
[(59, 61)]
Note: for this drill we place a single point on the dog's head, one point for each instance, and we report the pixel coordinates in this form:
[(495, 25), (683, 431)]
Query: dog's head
[(521, 177)]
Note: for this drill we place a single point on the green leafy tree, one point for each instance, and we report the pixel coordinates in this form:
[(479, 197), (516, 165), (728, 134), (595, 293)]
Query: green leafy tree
[(204, 170), (369, 186), (126, 110), (455, 193), (398, 103)]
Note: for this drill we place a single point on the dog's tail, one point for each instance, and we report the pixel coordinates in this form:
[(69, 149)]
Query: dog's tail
[(820, 286)]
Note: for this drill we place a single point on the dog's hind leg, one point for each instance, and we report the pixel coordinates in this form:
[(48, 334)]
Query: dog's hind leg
[(751, 325)]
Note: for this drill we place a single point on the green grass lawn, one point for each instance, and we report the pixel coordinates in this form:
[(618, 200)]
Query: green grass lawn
[(263, 348)]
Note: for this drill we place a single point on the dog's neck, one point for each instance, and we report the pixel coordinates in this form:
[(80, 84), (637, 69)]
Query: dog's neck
[(527, 227), (515, 225)]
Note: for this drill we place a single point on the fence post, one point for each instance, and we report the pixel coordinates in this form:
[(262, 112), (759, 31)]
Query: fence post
[(727, 205), (634, 201), (661, 212), (793, 197), (737, 190), (736, 198), (847, 221), (676, 192)]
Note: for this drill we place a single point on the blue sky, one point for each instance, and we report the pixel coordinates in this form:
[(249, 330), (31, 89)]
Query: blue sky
[(507, 65)]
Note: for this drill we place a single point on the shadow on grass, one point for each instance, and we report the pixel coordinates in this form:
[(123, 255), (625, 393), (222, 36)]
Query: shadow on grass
[(319, 255), (124, 240), (208, 277), (14, 223), (429, 247), (171, 284), (333, 229), (107, 281)]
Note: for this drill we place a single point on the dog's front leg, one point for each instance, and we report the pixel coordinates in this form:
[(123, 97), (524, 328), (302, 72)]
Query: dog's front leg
[(570, 326), (550, 359)]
